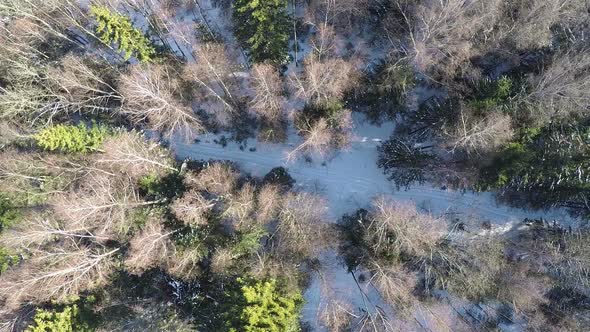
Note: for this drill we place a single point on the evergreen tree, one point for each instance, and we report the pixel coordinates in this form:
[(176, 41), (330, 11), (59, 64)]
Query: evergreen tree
[(553, 163), (263, 28), (69, 319), (403, 163), (268, 308), (117, 28), (71, 139)]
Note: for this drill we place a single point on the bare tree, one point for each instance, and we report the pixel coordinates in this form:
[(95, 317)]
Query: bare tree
[(60, 273), (185, 263), (10, 133), (150, 248), (152, 93), (240, 207), (395, 285), (102, 204), (530, 23), (325, 43), (337, 315), (397, 227), (213, 72), (344, 14), (442, 32), (301, 228), (564, 87), (268, 89), (318, 140), (25, 101), (132, 154), (481, 135), (192, 208), (38, 229), (216, 178), (223, 258), (443, 317), (32, 174), (79, 87), (53, 17), (269, 200), (325, 81)]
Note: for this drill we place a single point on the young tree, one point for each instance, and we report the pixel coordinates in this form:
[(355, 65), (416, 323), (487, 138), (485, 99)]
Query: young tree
[(71, 139), (116, 28), (153, 94), (270, 307), (263, 27)]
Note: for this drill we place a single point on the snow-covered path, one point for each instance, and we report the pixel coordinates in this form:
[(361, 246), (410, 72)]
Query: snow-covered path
[(349, 181)]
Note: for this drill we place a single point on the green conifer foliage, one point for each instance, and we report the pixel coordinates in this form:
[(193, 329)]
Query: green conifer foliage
[(71, 139), (268, 308), (67, 320), (263, 27), (117, 28), (553, 162)]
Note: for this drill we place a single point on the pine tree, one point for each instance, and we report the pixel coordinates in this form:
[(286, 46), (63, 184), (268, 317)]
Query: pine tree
[(553, 163), (263, 28), (71, 139), (269, 309), (116, 28)]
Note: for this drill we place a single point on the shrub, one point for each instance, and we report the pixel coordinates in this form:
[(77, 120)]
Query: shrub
[(116, 28), (7, 259), (9, 214), (67, 319), (490, 94), (279, 176), (471, 270), (71, 139), (398, 231)]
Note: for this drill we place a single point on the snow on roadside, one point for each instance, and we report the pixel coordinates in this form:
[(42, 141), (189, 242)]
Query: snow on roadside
[(349, 181)]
